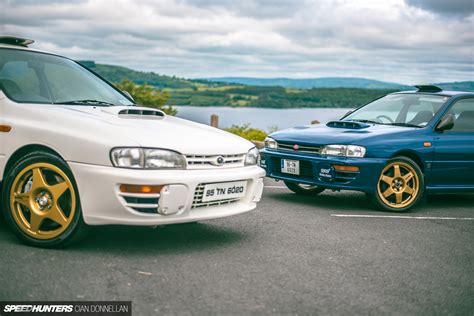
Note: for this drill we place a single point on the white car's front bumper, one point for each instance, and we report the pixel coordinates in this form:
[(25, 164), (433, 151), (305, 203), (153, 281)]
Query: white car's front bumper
[(102, 202)]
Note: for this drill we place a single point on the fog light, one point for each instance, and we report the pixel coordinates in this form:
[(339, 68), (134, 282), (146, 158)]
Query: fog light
[(141, 189), (346, 168)]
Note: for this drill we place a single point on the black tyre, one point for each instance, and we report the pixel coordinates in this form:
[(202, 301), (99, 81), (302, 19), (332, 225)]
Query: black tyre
[(304, 189), (400, 187), (42, 204)]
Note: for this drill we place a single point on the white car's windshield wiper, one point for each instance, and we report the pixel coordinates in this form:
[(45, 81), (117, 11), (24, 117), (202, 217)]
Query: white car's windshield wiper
[(87, 102)]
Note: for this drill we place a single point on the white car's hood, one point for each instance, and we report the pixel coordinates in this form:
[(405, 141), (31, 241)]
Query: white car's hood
[(159, 132)]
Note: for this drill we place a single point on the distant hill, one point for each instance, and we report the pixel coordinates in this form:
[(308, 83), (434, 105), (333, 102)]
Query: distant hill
[(335, 82), (325, 82), (267, 93), (117, 73), (457, 86)]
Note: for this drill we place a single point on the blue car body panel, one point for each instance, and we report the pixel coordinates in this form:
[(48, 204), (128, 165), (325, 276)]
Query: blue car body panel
[(447, 163)]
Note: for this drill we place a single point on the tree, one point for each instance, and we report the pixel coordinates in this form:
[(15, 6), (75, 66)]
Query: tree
[(147, 95)]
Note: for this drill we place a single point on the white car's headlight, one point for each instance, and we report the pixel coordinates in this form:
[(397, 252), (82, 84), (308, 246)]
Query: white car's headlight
[(344, 151), (271, 143), (147, 158), (252, 157)]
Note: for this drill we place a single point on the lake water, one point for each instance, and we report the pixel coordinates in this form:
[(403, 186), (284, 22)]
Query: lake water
[(258, 117)]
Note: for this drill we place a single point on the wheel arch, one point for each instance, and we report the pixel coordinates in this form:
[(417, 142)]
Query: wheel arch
[(413, 156), (22, 151)]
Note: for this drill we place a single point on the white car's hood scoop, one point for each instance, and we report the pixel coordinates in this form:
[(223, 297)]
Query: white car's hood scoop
[(134, 112)]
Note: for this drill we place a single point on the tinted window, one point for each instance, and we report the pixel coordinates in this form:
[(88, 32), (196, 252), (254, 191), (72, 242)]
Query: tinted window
[(43, 78), (463, 112)]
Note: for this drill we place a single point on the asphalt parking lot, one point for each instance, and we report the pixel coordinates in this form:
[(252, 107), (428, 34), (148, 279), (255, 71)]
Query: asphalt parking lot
[(293, 255)]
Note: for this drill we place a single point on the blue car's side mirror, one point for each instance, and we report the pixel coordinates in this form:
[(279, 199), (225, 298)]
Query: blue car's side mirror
[(446, 123)]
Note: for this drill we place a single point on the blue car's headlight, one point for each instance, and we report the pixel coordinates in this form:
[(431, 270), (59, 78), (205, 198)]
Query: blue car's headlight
[(271, 143), (343, 151), (147, 158)]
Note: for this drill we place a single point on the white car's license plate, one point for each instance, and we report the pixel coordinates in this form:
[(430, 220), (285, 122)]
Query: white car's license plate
[(290, 166), (224, 191)]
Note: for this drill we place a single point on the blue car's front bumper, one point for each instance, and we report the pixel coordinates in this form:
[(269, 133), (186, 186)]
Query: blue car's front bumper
[(319, 170)]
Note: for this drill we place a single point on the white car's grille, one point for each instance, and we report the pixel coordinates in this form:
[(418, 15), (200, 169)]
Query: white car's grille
[(198, 194), (215, 161)]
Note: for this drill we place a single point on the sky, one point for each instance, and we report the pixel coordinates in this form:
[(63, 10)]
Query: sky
[(404, 41)]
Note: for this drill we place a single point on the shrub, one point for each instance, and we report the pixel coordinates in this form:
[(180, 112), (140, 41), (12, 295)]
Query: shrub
[(147, 96), (247, 132)]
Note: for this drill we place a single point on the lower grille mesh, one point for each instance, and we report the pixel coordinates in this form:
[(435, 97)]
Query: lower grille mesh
[(143, 203)]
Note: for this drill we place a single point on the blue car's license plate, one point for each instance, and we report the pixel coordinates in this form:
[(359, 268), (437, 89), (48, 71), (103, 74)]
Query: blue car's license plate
[(290, 166)]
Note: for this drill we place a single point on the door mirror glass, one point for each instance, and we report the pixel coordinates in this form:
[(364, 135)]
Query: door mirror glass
[(446, 123)]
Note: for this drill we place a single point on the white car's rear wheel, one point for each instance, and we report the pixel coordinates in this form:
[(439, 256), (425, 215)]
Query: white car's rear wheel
[(42, 203)]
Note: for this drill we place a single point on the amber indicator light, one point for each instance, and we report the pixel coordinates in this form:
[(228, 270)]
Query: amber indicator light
[(5, 128), (346, 168), (143, 189)]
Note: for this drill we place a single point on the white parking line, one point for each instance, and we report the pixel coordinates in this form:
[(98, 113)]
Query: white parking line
[(403, 217), (275, 187)]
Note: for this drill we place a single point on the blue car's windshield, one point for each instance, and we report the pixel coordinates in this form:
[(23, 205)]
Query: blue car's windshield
[(415, 110), (32, 77)]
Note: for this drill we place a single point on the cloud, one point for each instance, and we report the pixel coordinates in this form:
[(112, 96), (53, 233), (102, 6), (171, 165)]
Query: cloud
[(445, 7), (254, 8), (387, 40)]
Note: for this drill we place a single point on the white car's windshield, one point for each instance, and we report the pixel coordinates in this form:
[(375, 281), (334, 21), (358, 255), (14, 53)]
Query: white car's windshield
[(415, 110), (32, 77)]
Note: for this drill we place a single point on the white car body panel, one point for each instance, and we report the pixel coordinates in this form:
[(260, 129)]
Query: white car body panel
[(84, 136)]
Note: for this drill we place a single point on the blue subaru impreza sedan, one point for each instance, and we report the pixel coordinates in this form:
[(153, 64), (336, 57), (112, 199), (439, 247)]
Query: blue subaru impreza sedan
[(396, 149)]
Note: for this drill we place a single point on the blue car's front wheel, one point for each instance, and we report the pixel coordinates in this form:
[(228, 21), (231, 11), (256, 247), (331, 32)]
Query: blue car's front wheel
[(400, 186)]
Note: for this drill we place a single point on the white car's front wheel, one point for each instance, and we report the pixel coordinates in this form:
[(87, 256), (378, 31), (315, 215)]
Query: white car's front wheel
[(42, 203)]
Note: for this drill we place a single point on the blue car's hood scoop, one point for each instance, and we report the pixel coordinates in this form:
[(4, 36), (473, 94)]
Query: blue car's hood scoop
[(347, 124)]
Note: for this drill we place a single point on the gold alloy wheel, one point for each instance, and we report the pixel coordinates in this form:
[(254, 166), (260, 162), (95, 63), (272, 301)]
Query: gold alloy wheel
[(42, 201), (398, 185)]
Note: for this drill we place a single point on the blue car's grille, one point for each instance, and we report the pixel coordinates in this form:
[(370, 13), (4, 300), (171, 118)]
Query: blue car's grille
[(299, 148)]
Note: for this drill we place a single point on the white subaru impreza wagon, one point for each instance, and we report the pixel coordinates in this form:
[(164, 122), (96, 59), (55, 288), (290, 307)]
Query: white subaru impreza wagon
[(75, 151)]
